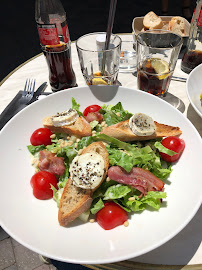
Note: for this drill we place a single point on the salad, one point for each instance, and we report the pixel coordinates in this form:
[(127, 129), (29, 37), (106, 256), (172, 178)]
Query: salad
[(112, 201)]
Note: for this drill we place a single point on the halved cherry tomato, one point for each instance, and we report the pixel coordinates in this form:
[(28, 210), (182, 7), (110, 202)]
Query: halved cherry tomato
[(91, 108), (41, 136), (173, 143), (41, 183), (111, 216)]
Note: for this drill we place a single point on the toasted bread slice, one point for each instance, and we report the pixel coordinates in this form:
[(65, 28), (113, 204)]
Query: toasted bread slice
[(122, 132), (177, 25), (75, 200), (81, 128), (152, 21), (73, 203)]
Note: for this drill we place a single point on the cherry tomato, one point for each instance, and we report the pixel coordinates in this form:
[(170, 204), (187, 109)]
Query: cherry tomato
[(91, 108), (173, 143), (41, 136), (41, 183), (111, 216)]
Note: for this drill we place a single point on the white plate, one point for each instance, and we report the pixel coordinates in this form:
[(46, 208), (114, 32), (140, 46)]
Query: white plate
[(34, 224), (194, 88)]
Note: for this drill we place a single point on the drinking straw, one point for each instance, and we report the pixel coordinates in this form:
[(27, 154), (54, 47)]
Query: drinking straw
[(109, 30)]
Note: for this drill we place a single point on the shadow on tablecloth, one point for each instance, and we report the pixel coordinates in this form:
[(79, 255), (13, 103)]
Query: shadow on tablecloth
[(194, 118)]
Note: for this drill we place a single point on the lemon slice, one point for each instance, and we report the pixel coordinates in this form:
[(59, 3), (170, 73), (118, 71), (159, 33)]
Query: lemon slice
[(161, 67), (98, 81)]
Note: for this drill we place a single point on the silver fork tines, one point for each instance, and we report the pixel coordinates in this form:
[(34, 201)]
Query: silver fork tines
[(28, 91)]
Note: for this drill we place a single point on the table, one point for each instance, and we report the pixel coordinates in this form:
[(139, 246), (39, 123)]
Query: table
[(184, 251)]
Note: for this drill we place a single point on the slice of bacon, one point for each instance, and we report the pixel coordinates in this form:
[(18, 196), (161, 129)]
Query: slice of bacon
[(51, 163), (94, 116), (139, 178)]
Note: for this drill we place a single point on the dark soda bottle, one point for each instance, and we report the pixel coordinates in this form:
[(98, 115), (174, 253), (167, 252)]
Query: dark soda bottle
[(55, 43), (193, 53)]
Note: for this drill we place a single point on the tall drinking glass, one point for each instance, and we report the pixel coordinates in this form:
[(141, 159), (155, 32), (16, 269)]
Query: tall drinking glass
[(99, 66), (157, 54)]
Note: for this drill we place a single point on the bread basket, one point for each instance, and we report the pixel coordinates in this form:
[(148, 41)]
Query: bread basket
[(137, 26)]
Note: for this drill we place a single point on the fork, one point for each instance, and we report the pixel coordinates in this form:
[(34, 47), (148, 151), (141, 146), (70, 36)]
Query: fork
[(28, 91)]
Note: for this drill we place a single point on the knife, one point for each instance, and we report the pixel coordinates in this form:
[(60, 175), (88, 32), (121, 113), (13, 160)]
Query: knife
[(180, 79), (38, 92), (15, 105)]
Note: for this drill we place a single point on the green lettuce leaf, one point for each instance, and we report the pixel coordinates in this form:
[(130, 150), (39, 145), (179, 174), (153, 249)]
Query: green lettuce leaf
[(57, 194), (84, 216), (93, 124), (67, 152), (120, 158), (102, 189), (116, 192), (63, 178), (76, 106), (163, 149), (59, 136), (105, 108), (111, 118), (127, 209), (54, 148), (110, 115), (84, 142), (98, 128), (35, 149), (152, 199), (114, 142), (97, 206)]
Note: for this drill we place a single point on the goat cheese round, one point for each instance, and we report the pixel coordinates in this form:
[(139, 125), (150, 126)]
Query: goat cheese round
[(87, 170), (65, 118), (142, 124)]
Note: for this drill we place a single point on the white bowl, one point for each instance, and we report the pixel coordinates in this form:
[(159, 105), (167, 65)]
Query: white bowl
[(194, 88)]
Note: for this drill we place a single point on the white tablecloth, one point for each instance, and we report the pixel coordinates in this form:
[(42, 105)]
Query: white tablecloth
[(186, 247)]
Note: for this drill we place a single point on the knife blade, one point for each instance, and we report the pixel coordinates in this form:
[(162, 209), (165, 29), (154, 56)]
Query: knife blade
[(15, 105), (38, 92), (180, 79)]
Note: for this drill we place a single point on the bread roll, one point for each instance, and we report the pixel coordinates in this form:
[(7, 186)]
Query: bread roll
[(152, 21), (177, 25)]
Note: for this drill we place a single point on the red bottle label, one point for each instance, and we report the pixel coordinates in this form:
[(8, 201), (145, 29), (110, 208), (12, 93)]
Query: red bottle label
[(65, 32), (48, 34), (199, 22)]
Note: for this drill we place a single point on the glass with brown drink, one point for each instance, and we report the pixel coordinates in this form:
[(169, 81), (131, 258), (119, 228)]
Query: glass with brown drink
[(154, 76), (190, 60), (157, 54)]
